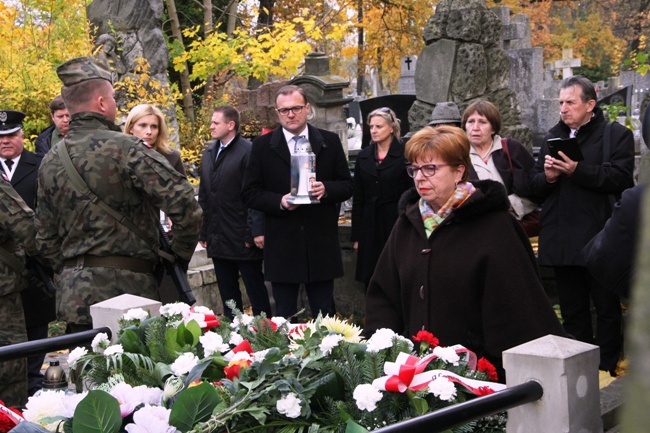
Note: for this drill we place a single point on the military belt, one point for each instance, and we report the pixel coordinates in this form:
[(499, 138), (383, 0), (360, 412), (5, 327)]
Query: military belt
[(118, 262)]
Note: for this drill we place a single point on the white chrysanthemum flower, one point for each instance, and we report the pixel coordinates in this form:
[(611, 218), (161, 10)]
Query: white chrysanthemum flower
[(447, 354), (260, 355), (70, 402), (381, 339), (151, 419), (212, 343), (278, 320), (175, 310), (184, 363), (408, 342), (45, 409), (442, 388), (367, 397), (136, 314), (289, 405), (235, 339), (329, 343), (115, 349), (241, 321), (129, 397), (203, 310), (100, 342), (75, 354)]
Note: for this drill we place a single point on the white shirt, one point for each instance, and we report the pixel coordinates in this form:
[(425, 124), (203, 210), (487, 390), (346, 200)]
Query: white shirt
[(10, 172), (289, 138)]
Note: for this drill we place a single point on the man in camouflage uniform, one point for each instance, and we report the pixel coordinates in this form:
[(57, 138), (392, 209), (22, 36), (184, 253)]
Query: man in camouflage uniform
[(17, 235), (95, 256)]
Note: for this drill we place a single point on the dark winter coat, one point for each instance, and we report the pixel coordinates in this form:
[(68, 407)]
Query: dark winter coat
[(44, 140), (227, 223), (300, 245), (25, 178), (473, 282), (576, 207), (610, 255), (377, 189)]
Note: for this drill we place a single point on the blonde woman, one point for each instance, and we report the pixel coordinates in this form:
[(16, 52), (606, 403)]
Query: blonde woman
[(147, 122)]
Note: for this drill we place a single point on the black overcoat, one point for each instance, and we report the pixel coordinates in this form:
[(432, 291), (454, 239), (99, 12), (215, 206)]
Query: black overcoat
[(300, 245), (227, 222), (576, 207), (474, 281), (377, 189)]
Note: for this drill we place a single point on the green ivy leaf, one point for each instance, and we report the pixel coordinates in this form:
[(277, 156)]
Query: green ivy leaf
[(98, 412), (193, 405)]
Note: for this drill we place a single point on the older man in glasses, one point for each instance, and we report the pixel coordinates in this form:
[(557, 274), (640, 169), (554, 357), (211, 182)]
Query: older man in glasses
[(300, 241)]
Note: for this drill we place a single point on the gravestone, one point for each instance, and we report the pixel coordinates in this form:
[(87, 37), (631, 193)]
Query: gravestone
[(463, 61), (326, 94), (406, 82), (567, 63)]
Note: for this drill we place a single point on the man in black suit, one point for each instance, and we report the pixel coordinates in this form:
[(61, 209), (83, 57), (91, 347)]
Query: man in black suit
[(300, 241), (21, 168)]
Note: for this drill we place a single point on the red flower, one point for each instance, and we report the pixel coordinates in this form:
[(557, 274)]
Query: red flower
[(486, 367), (233, 369), (7, 420), (426, 337)]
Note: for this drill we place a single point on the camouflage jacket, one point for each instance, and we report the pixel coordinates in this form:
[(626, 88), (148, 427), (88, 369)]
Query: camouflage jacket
[(17, 234), (127, 175)]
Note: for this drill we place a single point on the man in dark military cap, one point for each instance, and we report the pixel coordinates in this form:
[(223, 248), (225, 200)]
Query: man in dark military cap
[(96, 256), (21, 168)]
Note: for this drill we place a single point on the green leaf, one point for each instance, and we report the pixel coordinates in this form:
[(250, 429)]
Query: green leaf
[(193, 405), (353, 427), (420, 405), (131, 342), (98, 412)]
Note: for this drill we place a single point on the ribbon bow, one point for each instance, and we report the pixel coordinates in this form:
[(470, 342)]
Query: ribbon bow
[(407, 373)]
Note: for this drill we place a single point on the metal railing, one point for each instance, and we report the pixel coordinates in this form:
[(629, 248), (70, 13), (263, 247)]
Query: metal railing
[(462, 413), (45, 345)]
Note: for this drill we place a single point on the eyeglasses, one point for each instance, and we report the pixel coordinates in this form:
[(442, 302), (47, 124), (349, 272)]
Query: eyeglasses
[(428, 170), (285, 111)]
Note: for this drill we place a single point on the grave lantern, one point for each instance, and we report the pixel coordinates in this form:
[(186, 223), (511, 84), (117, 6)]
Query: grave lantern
[(303, 173)]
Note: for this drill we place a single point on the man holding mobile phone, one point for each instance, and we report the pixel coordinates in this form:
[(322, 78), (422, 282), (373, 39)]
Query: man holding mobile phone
[(578, 200)]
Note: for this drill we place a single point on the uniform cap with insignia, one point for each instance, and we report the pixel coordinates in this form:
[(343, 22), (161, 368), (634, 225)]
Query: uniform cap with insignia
[(11, 121), (82, 69)]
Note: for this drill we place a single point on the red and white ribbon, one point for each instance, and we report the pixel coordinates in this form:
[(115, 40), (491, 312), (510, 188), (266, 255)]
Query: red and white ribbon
[(407, 373)]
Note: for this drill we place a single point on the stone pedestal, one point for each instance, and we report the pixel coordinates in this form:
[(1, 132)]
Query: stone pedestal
[(568, 372), (107, 313)]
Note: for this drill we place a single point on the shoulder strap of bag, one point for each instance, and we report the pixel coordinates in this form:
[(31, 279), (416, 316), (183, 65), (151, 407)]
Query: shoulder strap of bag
[(11, 260), (504, 146), (81, 186), (607, 139)]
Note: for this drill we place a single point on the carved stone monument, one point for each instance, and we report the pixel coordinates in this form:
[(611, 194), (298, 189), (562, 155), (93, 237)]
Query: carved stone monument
[(463, 61), (406, 82)]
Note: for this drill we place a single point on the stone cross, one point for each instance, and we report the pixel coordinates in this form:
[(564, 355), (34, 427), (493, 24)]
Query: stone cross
[(567, 63), (406, 83)]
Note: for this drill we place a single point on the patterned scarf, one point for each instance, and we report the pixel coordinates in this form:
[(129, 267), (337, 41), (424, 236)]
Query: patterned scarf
[(431, 219)]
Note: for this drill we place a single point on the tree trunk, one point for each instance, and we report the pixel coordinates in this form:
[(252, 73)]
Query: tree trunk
[(208, 92), (360, 50), (264, 19), (232, 18), (186, 87)]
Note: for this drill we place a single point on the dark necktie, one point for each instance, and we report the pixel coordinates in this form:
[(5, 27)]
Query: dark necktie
[(220, 153), (9, 163)]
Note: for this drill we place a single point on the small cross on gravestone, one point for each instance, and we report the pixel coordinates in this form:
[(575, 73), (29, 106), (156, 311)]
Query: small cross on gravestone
[(567, 63), (406, 83)]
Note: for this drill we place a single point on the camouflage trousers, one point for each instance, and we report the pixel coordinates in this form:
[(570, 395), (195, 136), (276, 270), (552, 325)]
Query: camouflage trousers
[(13, 374), (78, 289)]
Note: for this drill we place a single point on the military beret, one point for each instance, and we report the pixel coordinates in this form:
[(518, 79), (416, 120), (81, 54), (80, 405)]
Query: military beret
[(11, 121), (82, 69)]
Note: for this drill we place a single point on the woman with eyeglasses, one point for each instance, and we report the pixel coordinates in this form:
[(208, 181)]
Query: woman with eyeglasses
[(457, 263), (379, 180), (502, 159)]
